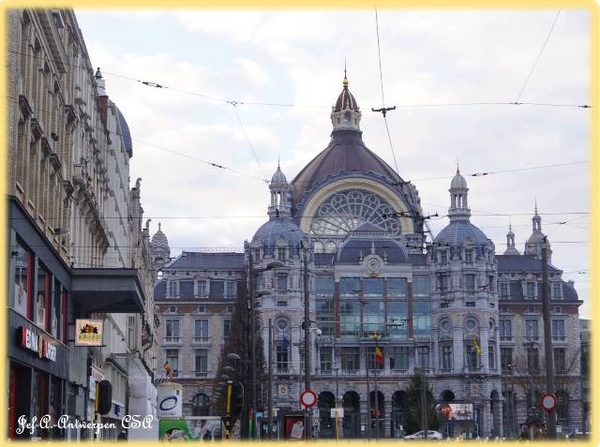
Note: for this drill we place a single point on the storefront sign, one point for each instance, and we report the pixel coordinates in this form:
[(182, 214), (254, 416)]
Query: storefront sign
[(40, 344), (88, 332)]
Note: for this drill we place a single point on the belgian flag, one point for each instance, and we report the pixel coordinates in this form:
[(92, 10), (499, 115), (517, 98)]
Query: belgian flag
[(379, 359)]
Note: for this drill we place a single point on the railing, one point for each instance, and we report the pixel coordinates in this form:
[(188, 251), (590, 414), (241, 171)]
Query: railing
[(172, 340)]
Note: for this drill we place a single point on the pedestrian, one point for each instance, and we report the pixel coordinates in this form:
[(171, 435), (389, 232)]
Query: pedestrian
[(122, 436)]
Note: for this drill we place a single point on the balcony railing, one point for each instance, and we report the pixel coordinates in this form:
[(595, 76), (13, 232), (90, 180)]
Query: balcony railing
[(172, 340)]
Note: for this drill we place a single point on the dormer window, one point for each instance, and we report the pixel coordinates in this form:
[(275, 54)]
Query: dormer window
[(468, 255)]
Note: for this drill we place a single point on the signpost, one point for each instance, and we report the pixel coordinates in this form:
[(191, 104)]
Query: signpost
[(548, 402)]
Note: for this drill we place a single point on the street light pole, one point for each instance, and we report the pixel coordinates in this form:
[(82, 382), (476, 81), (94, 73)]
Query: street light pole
[(252, 299)]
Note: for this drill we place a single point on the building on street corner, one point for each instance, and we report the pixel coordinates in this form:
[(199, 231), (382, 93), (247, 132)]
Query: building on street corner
[(77, 246)]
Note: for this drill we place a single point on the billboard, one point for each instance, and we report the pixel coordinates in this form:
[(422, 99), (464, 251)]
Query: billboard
[(170, 400), (455, 411), (192, 428)]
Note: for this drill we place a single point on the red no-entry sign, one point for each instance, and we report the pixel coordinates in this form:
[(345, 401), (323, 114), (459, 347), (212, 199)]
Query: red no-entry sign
[(548, 402), (308, 398)]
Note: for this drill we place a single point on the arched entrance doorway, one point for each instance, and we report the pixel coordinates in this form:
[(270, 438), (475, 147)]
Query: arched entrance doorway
[(326, 424), (397, 416), (351, 425), (377, 415)]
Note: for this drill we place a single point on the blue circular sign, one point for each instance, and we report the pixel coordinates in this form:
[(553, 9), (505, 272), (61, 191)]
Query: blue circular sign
[(168, 403)]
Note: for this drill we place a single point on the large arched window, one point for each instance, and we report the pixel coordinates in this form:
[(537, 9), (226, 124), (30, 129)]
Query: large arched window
[(344, 211), (200, 405)]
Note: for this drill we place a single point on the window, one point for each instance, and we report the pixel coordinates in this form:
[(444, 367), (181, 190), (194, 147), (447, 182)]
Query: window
[(173, 360), (202, 289), (503, 290), (22, 280), (446, 360), (326, 359), (556, 291), (217, 289), (472, 355), (492, 356), (349, 286), (229, 289), (372, 364), (396, 288), (226, 329), (421, 318), (42, 301), (282, 282), (505, 329), (558, 330), (350, 360), (172, 286), (530, 290), (325, 316), (442, 282), (200, 330), (399, 356), (470, 282), (421, 287), (349, 317), (560, 360), (468, 255), (562, 408), (172, 331), (531, 330), (281, 360), (201, 363), (423, 356), (281, 253), (186, 289), (324, 285), (506, 362), (533, 360), (443, 256), (373, 287)]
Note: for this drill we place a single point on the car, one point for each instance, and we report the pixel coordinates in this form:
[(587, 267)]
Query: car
[(431, 434)]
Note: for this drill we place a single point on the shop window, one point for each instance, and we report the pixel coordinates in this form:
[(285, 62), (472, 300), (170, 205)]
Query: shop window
[(41, 303), (22, 280)]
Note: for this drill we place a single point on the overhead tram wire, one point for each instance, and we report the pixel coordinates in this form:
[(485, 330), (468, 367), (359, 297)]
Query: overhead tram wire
[(153, 84), (383, 110), (537, 58), (234, 104)]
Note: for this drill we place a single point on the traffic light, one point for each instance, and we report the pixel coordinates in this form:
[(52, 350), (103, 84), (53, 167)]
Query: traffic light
[(237, 399)]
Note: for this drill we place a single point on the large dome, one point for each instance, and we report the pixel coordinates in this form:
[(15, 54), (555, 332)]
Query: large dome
[(346, 152), (457, 232), (276, 230)]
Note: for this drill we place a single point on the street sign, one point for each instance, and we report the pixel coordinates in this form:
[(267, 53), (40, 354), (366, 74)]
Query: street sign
[(308, 398), (337, 413), (548, 402)]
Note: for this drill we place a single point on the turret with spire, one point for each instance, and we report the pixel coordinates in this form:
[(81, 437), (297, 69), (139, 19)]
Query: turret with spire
[(281, 195), (510, 242), (345, 114), (537, 240), (459, 209)]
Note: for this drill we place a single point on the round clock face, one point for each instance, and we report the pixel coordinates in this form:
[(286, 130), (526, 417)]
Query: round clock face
[(373, 265)]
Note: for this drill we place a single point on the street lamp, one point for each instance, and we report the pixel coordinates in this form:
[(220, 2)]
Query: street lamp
[(376, 336), (252, 295)]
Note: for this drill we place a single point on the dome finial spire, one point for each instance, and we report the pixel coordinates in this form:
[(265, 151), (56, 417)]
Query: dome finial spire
[(457, 166), (345, 83)]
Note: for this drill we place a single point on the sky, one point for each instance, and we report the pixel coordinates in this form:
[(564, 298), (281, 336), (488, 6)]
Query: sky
[(216, 99)]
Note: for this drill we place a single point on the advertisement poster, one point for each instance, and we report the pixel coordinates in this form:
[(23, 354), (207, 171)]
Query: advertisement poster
[(190, 429), (456, 412), (294, 427)]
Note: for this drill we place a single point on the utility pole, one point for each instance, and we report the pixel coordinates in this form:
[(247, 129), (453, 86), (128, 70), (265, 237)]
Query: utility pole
[(306, 336), (270, 385), (548, 354), (252, 299)]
